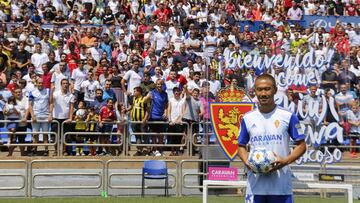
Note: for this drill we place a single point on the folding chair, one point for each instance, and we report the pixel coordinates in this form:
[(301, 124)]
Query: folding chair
[(155, 170)]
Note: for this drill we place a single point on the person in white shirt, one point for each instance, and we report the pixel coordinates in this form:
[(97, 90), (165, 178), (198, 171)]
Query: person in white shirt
[(38, 59), (210, 42), (161, 39), (193, 43), (148, 10), (22, 104), (270, 127), (90, 86), (171, 84), (353, 116), (158, 74), (39, 105), (175, 108), (58, 75), (177, 39), (195, 83), (62, 108), (114, 6), (250, 79), (78, 76), (295, 12), (95, 51), (132, 79), (215, 85)]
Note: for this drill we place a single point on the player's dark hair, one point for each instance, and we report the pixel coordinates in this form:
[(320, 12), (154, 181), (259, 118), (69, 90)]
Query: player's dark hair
[(267, 77), (138, 89)]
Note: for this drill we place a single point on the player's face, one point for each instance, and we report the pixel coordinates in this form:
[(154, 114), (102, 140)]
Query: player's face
[(265, 91)]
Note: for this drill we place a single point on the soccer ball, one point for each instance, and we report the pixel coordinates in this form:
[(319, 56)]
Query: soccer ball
[(261, 160)]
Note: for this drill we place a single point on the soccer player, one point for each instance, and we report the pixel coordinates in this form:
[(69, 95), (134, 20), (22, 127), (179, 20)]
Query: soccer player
[(270, 127)]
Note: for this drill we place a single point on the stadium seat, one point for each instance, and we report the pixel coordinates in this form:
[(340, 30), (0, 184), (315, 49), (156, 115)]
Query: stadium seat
[(155, 170)]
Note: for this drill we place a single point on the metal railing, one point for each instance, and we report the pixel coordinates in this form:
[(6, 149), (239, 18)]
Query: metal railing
[(155, 134), (56, 134), (59, 139), (64, 136)]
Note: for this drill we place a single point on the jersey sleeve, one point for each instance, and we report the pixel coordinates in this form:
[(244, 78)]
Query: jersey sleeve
[(244, 137), (295, 131), (31, 96)]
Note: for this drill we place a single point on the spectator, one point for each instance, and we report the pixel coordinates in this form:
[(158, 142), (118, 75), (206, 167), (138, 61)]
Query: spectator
[(171, 84), (22, 108), (21, 58), (109, 92), (176, 104), (78, 76), (12, 113), (158, 114), (59, 75), (62, 109), (39, 58), (139, 111), (80, 126), (41, 114), (131, 78), (353, 116), (147, 39), (193, 111), (107, 116), (343, 101), (89, 86)]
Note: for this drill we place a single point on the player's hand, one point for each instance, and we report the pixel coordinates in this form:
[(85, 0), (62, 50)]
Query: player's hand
[(279, 163), (248, 167)]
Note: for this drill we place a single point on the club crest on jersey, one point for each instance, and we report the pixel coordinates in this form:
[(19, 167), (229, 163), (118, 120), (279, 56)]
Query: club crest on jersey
[(277, 123), (226, 115)]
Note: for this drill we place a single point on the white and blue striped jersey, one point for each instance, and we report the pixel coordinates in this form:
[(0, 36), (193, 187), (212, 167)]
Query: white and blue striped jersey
[(271, 131)]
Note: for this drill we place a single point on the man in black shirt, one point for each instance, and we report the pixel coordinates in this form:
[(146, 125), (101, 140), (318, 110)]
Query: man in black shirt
[(331, 8), (21, 58), (347, 76), (182, 57), (329, 79), (339, 8), (60, 18), (4, 60)]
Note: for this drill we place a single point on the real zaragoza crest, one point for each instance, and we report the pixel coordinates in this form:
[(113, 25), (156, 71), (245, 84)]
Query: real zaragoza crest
[(226, 113)]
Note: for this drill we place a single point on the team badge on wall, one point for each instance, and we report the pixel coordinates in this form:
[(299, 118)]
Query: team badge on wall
[(226, 114)]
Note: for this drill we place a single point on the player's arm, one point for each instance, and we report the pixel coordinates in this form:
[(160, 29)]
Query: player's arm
[(297, 135), (243, 139), (243, 154)]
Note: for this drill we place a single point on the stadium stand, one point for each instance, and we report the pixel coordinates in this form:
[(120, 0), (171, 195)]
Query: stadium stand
[(135, 77)]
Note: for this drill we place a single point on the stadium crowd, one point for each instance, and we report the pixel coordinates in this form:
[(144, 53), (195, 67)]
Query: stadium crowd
[(161, 61)]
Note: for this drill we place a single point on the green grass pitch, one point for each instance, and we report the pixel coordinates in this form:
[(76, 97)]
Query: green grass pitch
[(212, 199)]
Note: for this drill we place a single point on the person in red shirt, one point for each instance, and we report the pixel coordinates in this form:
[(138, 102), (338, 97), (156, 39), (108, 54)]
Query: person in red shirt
[(230, 8), (180, 78), (13, 83), (46, 76), (161, 14), (350, 9), (72, 58), (106, 118)]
